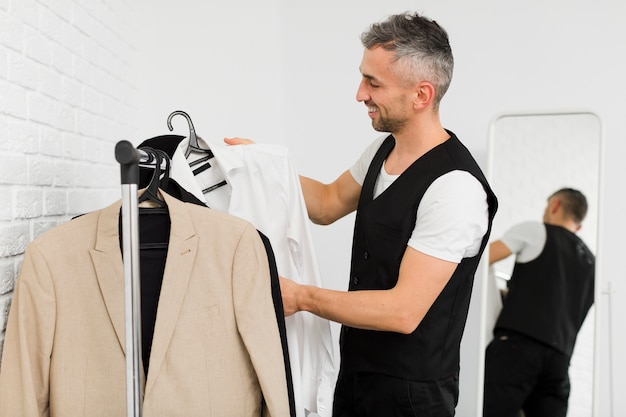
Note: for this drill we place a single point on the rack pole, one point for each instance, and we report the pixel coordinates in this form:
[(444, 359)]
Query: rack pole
[(129, 157)]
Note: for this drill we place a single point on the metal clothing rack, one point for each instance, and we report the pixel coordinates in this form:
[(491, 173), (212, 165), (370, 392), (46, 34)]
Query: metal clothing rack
[(129, 159)]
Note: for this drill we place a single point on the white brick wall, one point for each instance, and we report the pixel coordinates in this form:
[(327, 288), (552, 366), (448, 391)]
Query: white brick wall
[(66, 99)]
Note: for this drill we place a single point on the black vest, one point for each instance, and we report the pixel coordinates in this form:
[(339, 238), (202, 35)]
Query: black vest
[(382, 230), (550, 296)]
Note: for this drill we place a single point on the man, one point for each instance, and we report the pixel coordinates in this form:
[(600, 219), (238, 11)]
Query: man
[(549, 294), (424, 211)]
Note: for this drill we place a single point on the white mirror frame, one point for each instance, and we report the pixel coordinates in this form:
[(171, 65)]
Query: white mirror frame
[(483, 269)]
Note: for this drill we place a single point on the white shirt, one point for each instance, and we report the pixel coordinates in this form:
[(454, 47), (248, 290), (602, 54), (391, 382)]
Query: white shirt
[(526, 240), (263, 187), (452, 217)]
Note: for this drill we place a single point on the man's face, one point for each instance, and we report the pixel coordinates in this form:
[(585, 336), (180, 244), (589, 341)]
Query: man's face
[(388, 103)]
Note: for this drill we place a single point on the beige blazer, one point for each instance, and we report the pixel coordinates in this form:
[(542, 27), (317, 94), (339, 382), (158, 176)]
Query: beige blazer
[(216, 349)]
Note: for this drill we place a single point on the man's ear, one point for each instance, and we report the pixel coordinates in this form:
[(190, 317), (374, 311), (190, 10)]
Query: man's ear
[(424, 95)]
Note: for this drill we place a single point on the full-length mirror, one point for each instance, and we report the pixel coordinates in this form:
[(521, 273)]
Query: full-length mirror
[(530, 157)]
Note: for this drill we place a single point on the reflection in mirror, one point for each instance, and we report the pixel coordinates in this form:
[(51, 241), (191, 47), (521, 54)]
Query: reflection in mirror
[(530, 157)]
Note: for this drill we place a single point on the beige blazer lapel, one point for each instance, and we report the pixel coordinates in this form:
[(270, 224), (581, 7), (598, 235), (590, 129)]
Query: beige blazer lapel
[(107, 261), (181, 254)]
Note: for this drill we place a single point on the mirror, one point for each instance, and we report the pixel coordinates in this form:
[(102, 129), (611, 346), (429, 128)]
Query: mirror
[(531, 156)]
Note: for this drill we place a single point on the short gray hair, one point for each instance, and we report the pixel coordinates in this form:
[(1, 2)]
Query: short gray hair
[(421, 47)]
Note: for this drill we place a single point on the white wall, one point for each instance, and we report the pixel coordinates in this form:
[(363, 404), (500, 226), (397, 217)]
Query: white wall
[(222, 64), (287, 72)]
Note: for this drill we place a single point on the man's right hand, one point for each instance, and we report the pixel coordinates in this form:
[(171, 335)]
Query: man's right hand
[(238, 141)]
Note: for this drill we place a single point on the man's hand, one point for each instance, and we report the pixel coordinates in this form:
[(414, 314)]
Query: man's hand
[(289, 290), (238, 141)]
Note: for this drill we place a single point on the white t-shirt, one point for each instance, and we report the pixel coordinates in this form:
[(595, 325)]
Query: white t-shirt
[(526, 240), (452, 217)]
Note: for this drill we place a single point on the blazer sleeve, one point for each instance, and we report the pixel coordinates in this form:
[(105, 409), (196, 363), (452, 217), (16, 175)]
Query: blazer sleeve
[(280, 319), (25, 367), (257, 322)]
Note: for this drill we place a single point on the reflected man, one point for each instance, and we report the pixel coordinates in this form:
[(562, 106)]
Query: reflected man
[(549, 294)]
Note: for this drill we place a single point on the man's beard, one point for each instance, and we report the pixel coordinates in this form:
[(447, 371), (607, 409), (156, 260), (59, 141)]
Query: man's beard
[(384, 124)]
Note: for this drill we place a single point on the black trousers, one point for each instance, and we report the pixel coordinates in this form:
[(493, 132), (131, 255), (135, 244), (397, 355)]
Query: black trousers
[(523, 374), (364, 394)]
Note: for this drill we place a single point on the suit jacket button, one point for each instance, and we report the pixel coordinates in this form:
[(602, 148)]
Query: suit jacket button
[(355, 280), (366, 255)]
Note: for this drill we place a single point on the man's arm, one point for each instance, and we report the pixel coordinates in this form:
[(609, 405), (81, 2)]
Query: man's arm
[(399, 309), (498, 251), (326, 203)]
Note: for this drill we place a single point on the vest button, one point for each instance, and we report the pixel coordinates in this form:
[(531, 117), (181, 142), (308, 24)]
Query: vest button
[(355, 280), (366, 255)]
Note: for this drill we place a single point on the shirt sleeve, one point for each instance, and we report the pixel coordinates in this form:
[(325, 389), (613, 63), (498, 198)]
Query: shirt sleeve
[(452, 218), (360, 167), (526, 240)]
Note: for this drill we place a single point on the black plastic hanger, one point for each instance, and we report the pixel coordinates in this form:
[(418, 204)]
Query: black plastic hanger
[(193, 139), (200, 164), (160, 177), (154, 221)]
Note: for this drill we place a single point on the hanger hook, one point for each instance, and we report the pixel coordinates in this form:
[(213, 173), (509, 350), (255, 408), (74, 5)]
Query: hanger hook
[(193, 139)]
